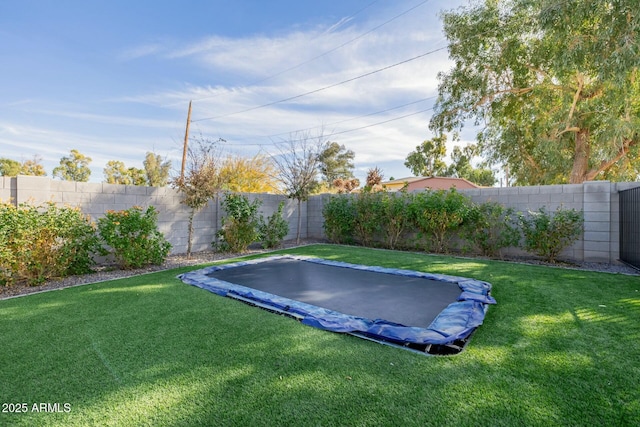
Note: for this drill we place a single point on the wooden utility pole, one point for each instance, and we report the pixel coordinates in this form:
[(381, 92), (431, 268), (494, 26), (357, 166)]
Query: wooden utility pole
[(186, 142)]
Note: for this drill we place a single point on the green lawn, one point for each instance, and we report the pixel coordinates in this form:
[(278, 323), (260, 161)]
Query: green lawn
[(560, 348)]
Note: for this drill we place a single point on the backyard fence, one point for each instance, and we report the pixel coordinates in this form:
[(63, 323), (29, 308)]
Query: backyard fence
[(599, 200), (630, 226)]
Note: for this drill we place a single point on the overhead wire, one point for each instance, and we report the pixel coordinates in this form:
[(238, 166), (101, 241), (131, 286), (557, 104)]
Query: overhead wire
[(338, 84), (291, 98), (343, 44), (341, 132), (340, 121), (335, 48)]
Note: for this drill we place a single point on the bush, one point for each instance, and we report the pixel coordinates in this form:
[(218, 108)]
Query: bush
[(132, 237), (339, 215), (38, 243), (240, 227), (367, 221), (547, 235), (274, 230), (394, 216), (490, 227), (437, 214)]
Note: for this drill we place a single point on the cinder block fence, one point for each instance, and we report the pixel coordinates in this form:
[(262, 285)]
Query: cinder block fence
[(598, 199)]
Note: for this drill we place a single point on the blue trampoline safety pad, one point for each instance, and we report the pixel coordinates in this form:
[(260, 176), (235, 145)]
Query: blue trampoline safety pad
[(282, 284)]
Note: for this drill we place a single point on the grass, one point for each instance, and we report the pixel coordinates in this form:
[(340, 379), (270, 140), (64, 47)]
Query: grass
[(560, 348)]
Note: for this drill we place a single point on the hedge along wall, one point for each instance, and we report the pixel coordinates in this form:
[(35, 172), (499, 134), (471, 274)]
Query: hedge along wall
[(598, 199), (95, 199)]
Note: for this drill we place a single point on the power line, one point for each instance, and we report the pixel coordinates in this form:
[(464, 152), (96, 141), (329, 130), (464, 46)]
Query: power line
[(325, 87), (343, 44), (260, 144), (335, 48), (342, 121)]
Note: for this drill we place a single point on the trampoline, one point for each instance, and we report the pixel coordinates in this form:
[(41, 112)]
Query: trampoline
[(423, 312)]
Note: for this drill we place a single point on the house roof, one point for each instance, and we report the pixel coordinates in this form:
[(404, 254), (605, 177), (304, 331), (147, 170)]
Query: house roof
[(432, 182)]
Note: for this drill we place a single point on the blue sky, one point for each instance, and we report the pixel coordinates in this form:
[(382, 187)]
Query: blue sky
[(113, 79)]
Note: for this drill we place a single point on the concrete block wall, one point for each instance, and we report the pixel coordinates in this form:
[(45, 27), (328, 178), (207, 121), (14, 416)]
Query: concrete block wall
[(7, 189), (95, 199), (598, 200), (525, 199)]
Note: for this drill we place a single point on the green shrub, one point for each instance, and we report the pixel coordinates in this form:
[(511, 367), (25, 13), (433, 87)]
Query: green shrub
[(437, 214), (131, 236), (240, 226), (274, 230), (394, 216), (490, 227), (546, 235), (368, 217), (38, 243), (339, 215)]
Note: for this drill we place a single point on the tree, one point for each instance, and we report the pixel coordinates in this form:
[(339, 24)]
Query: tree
[(345, 186), (10, 167), (426, 160), (201, 181), (335, 162), (462, 167), (297, 168), (137, 176), (244, 175), (116, 172), (156, 169), (75, 167), (374, 179), (33, 167), (555, 84)]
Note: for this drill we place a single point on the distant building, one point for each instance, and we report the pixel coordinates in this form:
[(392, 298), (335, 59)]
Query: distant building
[(432, 182)]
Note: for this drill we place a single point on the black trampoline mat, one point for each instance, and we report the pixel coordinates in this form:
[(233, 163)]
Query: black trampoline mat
[(409, 301)]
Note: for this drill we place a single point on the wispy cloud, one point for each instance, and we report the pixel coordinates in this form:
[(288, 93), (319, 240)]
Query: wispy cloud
[(227, 75), (143, 50)]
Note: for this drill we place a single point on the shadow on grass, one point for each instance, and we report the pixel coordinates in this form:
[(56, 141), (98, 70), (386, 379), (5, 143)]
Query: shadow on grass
[(559, 348)]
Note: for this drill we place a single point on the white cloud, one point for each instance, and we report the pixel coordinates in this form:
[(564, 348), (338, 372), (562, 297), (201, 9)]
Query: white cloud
[(247, 72)]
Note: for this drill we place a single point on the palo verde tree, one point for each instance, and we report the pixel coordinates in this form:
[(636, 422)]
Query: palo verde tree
[(74, 167), (296, 164), (555, 86), (248, 175)]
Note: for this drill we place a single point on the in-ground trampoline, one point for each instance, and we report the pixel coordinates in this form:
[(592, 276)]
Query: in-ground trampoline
[(423, 312)]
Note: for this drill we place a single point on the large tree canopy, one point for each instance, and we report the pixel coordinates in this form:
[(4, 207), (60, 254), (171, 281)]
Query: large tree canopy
[(554, 84)]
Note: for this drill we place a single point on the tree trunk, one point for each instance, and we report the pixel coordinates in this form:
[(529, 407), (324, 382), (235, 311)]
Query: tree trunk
[(191, 215), (299, 221), (580, 157)]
